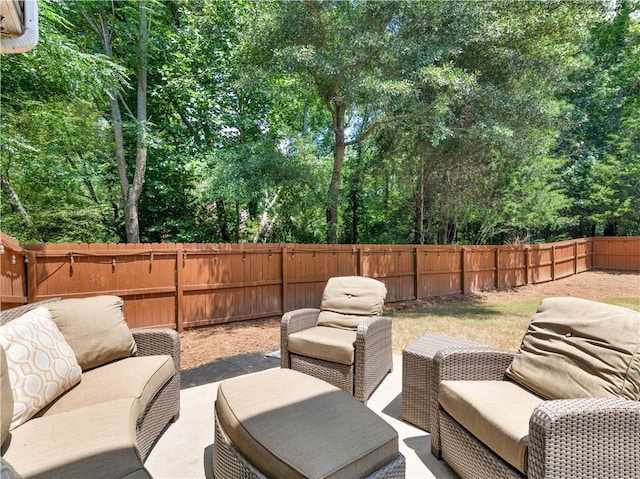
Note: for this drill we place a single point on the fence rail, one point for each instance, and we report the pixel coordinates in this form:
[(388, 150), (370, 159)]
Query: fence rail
[(188, 285)]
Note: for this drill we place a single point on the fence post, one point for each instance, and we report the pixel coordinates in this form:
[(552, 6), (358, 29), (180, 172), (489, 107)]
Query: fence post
[(179, 276), (526, 265), (553, 262), (32, 276), (575, 257), (283, 295), (416, 276), (497, 268), (463, 272), (360, 267)]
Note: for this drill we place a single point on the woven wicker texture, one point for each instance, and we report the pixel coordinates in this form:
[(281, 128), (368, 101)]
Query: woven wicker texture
[(468, 456), (228, 463), (418, 371), (591, 437), (373, 354), (165, 406), (13, 313), (572, 438)]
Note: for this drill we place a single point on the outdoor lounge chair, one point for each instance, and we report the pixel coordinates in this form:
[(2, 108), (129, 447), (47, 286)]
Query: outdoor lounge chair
[(346, 342), (566, 405)]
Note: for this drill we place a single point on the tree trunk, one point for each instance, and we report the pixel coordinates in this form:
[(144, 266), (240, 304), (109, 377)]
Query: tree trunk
[(421, 201), (133, 224), (130, 193), (17, 206), (338, 113)]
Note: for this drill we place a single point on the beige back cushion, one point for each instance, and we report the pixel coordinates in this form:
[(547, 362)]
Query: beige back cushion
[(6, 398), (578, 348), (347, 300), (95, 329)]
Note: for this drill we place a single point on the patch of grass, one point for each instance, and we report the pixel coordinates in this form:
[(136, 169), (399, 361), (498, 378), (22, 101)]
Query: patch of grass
[(500, 325)]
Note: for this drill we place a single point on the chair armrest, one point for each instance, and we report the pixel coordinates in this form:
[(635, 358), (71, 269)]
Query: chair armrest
[(471, 363), (292, 322), (151, 342), (373, 354), (570, 437)]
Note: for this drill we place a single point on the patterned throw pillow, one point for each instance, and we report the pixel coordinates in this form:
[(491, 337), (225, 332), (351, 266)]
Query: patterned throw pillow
[(40, 362)]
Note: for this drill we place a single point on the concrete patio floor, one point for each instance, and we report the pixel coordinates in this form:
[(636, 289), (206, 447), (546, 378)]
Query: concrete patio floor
[(185, 449)]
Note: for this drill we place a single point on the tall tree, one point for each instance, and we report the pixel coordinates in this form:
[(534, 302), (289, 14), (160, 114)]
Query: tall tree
[(103, 21), (342, 48)]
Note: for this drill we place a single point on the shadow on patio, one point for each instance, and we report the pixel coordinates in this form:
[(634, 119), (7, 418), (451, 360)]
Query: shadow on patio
[(184, 450)]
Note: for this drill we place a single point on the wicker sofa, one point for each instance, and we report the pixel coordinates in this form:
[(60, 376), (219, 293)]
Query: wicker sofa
[(117, 389), (566, 405)]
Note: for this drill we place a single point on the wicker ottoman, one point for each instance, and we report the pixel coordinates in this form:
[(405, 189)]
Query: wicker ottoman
[(419, 401), (283, 423)]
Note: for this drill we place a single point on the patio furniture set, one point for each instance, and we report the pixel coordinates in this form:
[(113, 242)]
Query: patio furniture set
[(566, 405)]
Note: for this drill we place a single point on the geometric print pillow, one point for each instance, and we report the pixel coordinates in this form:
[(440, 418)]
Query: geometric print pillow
[(41, 364)]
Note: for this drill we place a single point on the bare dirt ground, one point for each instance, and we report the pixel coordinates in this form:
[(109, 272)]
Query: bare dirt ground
[(201, 345)]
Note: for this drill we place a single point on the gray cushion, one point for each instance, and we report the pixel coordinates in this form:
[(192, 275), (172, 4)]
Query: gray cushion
[(94, 328), (495, 412), (289, 424), (329, 344), (347, 300), (91, 442), (578, 348)]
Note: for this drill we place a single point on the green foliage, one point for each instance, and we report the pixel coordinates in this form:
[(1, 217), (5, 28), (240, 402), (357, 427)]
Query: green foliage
[(469, 122)]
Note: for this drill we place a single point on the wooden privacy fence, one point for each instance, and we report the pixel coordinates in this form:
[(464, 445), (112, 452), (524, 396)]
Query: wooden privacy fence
[(188, 285)]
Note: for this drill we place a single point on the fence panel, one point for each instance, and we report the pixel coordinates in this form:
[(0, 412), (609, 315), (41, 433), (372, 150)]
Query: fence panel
[(617, 253), (189, 285), (440, 271), (511, 267), (395, 266), (479, 269), (309, 267), (13, 277)]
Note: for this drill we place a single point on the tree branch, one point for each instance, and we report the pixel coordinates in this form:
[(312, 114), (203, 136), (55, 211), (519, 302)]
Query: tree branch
[(373, 127)]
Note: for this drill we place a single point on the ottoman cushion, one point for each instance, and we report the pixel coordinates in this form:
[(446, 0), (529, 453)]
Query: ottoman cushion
[(289, 424)]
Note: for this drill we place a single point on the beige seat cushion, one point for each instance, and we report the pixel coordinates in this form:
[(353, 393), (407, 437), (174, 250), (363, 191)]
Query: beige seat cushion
[(138, 378), (92, 442), (329, 344), (578, 348), (347, 300), (292, 425), (94, 328), (495, 412)]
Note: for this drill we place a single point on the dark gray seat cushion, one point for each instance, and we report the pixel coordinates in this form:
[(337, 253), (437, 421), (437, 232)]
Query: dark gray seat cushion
[(289, 424)]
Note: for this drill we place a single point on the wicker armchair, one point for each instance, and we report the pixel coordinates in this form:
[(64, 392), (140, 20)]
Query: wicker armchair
[(345, 342), (570, 401)]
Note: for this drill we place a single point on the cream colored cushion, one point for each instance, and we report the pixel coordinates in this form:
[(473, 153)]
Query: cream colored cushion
[(6, 398), (347, 300), (41, 364), (138, 378), (93, 442), (578, 348), (95, 329), (291, 425), (329, 344), (495, 412)]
